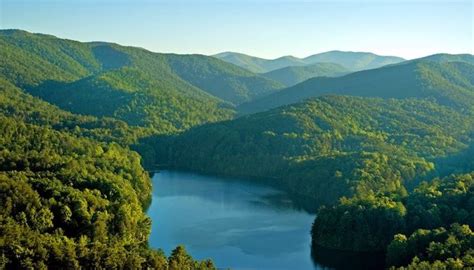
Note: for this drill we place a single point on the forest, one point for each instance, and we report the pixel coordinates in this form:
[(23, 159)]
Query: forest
[(73, 194), (382, 154), (328, 147)]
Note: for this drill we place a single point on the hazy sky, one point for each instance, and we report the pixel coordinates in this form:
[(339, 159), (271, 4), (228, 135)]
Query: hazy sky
[(265, 28)]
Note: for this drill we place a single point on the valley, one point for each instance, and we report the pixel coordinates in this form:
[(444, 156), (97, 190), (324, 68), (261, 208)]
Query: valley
[(343, 153)]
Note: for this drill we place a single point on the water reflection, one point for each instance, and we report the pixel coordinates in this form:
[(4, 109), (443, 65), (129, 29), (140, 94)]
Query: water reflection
[(239, 224)]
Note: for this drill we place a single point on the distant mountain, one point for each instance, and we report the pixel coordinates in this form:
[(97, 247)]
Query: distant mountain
[(353, 61), (444, 58), (259, 65), (448, 82), (290, 76), (221, 79)]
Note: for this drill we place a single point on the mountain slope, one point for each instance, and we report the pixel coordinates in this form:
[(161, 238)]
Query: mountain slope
[(352, 61), (27, 59), (221, 79), (450, 83), (290, 76), (135, 97), (70, 195), (72, 192), (17, 104), (81, 77)]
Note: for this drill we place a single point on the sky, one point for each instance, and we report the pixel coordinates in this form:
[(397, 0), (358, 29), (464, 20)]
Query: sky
[(264, 28)]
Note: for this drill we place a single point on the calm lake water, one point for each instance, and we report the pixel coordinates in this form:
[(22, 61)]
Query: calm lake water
[(238, 224)]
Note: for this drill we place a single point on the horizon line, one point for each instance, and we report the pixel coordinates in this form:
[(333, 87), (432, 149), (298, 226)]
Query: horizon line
[(230, 51)]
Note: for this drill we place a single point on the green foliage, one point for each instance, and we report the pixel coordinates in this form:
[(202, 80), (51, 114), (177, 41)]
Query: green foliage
[(433, 249), (72, 194), (60, 193), (180, 260), (327, 147), (134, 97), (102, 79), (29, 59), (67, 201), (16, 103), (441, 202), (365, 224), (381, 223)]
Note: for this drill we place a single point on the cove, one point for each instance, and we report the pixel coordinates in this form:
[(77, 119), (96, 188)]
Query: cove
[(239, 224)]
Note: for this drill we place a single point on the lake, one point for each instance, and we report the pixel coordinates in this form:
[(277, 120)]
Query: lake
[(238, 224)]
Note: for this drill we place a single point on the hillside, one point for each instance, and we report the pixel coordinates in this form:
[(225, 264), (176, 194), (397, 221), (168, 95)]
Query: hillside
[(17, 104), (449, 83), (72, 114), (429, 228), (71, 196), (353, 61), (290, 76), (221, 79), (105, 79), (326, 147), (72, 192), (164, 92)]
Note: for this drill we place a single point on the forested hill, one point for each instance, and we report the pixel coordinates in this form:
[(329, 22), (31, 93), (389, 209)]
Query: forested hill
[(448, 82), (431, 228), (221, 79), (71, 196), (73, 193), (328, 147), (162, 91), (353, 61), (105, 80)]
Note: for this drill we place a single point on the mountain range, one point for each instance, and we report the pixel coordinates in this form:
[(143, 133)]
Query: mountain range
[(446, 78), (379, 147), (134, 81), (353, 61)]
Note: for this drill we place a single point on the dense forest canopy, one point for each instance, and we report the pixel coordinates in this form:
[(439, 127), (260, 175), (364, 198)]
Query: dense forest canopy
[(430, 228), (329, 147), (72, 193), (371, 152)]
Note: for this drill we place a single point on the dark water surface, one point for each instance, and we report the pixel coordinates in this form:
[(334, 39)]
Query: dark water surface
[(238, 224)]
